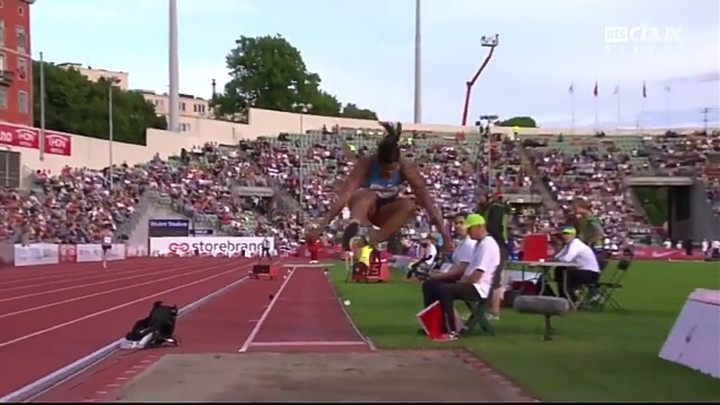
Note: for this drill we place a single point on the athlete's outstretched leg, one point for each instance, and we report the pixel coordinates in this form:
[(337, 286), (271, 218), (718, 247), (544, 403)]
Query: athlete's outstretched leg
[(390, 217), (362, 208)]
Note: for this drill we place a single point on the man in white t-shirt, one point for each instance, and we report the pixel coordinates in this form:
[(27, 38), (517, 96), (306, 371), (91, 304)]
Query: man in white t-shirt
[(575, 251), (477, 280), (454, 270)]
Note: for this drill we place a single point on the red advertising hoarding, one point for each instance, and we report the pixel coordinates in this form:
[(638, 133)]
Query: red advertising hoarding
[(56, 143)]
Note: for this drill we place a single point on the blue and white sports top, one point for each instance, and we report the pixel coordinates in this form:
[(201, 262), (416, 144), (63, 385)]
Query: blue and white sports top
[(385, 188)]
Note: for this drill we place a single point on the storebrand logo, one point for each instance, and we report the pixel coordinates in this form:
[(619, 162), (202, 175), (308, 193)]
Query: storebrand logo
[(178, 247)]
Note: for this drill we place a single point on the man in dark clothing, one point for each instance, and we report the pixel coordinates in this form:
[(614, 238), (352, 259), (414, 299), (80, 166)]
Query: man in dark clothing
[(496, 213)]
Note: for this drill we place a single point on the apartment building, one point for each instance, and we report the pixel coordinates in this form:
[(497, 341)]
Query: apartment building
[(15, 62)]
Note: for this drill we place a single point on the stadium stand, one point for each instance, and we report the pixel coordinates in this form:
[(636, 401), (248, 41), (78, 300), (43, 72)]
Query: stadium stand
[(199, 183)]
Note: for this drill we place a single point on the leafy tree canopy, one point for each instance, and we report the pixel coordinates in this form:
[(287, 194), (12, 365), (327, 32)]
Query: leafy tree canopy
[(522, 122), (268, 72), (77, 105)]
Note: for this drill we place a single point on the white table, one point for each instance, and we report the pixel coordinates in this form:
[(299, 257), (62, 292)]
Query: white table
[(544, 270)]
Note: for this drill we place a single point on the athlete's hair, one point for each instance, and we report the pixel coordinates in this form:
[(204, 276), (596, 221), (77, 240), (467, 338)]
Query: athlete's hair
[(389, 149)]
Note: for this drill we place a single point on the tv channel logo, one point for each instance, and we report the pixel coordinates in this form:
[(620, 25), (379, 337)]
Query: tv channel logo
[(639, 39)]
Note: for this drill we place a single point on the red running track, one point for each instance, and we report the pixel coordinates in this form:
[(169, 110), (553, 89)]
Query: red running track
[(53, 316), (304, 306), (305, 315)]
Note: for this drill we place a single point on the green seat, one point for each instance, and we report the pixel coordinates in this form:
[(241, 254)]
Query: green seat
[(478, 317)]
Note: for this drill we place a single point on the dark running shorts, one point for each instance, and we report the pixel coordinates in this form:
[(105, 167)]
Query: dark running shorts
[(379, 202)]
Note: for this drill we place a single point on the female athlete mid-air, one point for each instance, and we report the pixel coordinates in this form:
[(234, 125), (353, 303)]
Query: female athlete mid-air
[(372, 193)]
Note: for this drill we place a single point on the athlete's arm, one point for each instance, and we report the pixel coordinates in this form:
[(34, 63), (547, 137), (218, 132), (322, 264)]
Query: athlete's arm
[(411, 174), (352, 182)]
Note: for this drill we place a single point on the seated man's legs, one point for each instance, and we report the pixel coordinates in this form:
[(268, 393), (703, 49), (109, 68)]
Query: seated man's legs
[(576, 279), (431, 291), (456, 291)]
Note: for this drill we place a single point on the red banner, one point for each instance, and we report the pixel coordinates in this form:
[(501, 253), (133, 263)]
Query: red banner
[(68, 253), (661, 253), (56, 143)]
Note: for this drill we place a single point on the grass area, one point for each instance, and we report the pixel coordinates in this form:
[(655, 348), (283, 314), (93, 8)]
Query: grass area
[(605, 356)]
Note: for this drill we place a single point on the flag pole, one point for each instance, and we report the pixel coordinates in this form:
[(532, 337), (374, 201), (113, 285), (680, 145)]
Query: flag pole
[(667, 107), (642, 110), (41, 155), (596, 105), (617, 102), (572, 108)]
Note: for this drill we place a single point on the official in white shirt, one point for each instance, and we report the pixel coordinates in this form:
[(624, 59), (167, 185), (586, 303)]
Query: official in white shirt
[(575, 251), (477, 280), (453, 271)]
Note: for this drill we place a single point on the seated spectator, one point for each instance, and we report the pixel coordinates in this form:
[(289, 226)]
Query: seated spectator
[(460, 260), (476, 284), (571, 279)]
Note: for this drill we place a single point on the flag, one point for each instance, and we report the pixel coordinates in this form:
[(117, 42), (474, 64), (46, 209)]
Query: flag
[(644, 94), (668, 89), (617, 89), (571, 89), (595, 89)]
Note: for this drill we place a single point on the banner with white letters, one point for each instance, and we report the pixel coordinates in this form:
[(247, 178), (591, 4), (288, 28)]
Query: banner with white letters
[(93, 253), (226, 246), (36, 254)]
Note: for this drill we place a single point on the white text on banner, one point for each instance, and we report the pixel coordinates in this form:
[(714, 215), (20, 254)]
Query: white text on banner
[(36, 254), (213, 246), (93, 253)]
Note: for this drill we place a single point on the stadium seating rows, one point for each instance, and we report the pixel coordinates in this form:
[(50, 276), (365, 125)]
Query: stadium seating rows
[(72, 206)]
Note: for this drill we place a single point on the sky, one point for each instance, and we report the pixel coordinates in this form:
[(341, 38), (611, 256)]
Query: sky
[(364, 53)]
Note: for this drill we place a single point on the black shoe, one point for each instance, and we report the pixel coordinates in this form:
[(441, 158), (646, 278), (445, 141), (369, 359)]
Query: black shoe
[(351, 230)]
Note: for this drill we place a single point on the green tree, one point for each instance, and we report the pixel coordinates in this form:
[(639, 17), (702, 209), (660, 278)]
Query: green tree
[(352, 111), (522, 122), (77, 105), (268, 72)]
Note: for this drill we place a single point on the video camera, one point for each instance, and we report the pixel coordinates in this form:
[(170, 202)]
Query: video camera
[(421, 271)]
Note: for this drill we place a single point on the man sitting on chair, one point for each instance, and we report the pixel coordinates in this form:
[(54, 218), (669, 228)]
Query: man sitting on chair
[(578, 252), (454, 270), (477, 279)]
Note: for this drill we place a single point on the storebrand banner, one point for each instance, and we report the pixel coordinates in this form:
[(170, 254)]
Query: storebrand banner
[(213, 246), (93, 253), (36, 254)]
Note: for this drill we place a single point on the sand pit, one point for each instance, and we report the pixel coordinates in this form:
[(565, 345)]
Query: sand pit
[(282, 377)]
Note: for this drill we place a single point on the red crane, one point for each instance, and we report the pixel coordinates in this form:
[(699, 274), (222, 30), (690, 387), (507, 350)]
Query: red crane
[(486, 42)]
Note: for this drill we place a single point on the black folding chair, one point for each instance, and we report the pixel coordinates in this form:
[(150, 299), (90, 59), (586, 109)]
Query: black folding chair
[(478, 317), (600, 295)]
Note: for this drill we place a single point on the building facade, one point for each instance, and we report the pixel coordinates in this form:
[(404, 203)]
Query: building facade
[(16, 90), (120, 79), (191, 107)]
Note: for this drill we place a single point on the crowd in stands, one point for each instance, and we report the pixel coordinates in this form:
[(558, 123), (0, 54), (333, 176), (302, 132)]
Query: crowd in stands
[(304, 170), (697, 155)]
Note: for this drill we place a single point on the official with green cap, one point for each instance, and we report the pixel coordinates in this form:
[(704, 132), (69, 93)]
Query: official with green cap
[(476, 283)]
